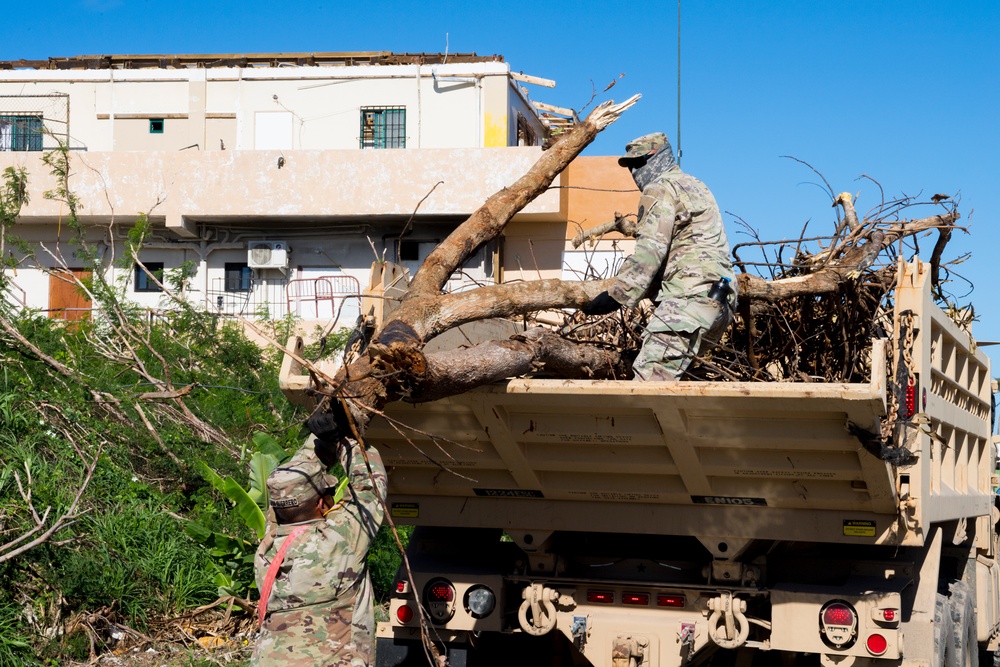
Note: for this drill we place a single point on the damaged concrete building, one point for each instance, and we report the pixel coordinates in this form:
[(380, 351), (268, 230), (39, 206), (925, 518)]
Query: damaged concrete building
[(279, 178)]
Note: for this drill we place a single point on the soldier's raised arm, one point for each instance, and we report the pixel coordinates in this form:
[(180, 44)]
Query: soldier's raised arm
[(364, 485)]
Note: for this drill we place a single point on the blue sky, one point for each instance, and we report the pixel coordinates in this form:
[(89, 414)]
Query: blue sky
[(904, 92)]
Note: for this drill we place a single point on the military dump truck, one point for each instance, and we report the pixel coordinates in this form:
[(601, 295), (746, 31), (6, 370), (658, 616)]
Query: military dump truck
[(628, 524)]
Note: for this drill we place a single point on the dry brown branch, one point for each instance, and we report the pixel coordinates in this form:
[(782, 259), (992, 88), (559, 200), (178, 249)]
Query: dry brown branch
[(11, 330), (409, 222), (625, 225), (489, 220), (42, 532), (427, 629), (837, 272), (845, 201), (402, 428), (159, 441), (176, 393), (229, 601)]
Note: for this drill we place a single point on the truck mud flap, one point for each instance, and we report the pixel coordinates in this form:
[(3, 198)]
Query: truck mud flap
[(404, 653)]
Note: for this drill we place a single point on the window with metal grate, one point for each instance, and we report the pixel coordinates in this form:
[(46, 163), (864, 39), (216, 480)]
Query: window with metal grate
[(21, 133), (383, 127)]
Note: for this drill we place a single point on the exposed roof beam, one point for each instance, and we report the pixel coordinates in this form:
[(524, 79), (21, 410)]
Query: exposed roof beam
[(554, 109), (538, 81)]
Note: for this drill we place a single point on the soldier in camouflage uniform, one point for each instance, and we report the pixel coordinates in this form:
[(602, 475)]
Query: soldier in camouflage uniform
[(680, 252), (320, 610)]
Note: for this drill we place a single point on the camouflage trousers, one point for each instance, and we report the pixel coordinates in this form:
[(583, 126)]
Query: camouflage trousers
[(313, 636), (680, 330)]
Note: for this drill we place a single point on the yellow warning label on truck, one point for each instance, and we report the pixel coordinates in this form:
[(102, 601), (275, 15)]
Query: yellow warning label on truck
[(859, 528), (406, 510)]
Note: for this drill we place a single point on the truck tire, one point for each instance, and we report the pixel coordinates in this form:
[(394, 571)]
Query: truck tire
[(964, 643), (944, 648)]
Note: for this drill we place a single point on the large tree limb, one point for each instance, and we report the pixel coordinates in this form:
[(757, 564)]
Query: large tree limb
[(489, 220), (430, 317), (420, 378), (60, 368), (424, 311)]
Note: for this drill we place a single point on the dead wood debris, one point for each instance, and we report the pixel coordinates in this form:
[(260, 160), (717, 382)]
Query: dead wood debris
[(809, 307), (223, 632)]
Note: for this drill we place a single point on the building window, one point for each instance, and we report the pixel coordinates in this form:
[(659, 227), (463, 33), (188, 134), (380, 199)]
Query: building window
[(239, 277), (21, 133), (156, 126), (143, 283), (525, 135), (411, 253), (383, 127)]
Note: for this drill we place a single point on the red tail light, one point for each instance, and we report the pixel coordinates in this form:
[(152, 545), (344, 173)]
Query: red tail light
[(439, 595), (404, 614), (600, 597), (838, 624), (838, 614), (441, 591), (876, 644), (669, 600), (889, 615), (641, 599)]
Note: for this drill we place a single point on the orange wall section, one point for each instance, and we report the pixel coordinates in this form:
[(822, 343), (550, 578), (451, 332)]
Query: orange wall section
[(597, 188), (594, 189)]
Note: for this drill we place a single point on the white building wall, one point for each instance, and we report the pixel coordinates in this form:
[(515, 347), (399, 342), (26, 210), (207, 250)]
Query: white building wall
[(450, 113), (152, 97), (445, 105), (291, 170)]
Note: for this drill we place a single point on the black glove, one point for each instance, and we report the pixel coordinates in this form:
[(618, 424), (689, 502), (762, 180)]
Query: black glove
[(328, 437), (602, 304), (324, 426)]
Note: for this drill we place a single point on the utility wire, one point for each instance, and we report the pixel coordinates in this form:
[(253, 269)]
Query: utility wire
[(204, 386)]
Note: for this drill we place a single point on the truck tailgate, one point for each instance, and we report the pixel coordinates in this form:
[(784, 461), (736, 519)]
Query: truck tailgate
[(545, 445)]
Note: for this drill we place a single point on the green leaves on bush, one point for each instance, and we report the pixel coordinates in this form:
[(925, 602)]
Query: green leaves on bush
[(250, 503), (72, 389), (232, 556)]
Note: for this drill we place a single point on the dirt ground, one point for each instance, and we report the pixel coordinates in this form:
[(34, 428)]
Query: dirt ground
[(232, 653), (204, 652)]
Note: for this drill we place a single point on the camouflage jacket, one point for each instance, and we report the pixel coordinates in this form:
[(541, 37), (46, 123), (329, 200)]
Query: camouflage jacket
[(327, 563), (681, 246)]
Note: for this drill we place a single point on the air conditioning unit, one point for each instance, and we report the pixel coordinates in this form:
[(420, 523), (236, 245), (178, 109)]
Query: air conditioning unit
[(267, 255)]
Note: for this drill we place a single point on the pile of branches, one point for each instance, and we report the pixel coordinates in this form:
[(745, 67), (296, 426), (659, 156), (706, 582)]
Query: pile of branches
[(808, 307)]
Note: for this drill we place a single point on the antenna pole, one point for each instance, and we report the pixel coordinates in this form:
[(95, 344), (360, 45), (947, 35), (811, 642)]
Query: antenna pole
[(679, 151)]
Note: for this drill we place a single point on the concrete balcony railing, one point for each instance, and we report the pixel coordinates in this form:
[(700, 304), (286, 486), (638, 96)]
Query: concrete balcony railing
[(179, 189)]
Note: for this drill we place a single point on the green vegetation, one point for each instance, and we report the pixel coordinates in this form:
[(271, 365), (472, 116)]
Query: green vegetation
[(133, 451)]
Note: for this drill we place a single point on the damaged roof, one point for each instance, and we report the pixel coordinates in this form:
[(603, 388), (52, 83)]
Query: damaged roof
[(180, 61)]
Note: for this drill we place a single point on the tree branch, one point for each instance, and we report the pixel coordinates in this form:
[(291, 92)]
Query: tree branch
[(489, 220), (10, 551)]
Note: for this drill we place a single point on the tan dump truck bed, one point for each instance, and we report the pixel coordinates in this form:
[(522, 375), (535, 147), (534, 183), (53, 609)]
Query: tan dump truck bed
[(734, 459), (740, 460)]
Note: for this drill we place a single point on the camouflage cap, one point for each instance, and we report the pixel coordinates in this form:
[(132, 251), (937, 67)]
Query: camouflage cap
[(299, 482), (645, 146)]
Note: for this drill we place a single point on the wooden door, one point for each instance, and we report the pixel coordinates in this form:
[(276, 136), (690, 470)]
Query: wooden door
[(67, 301)]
